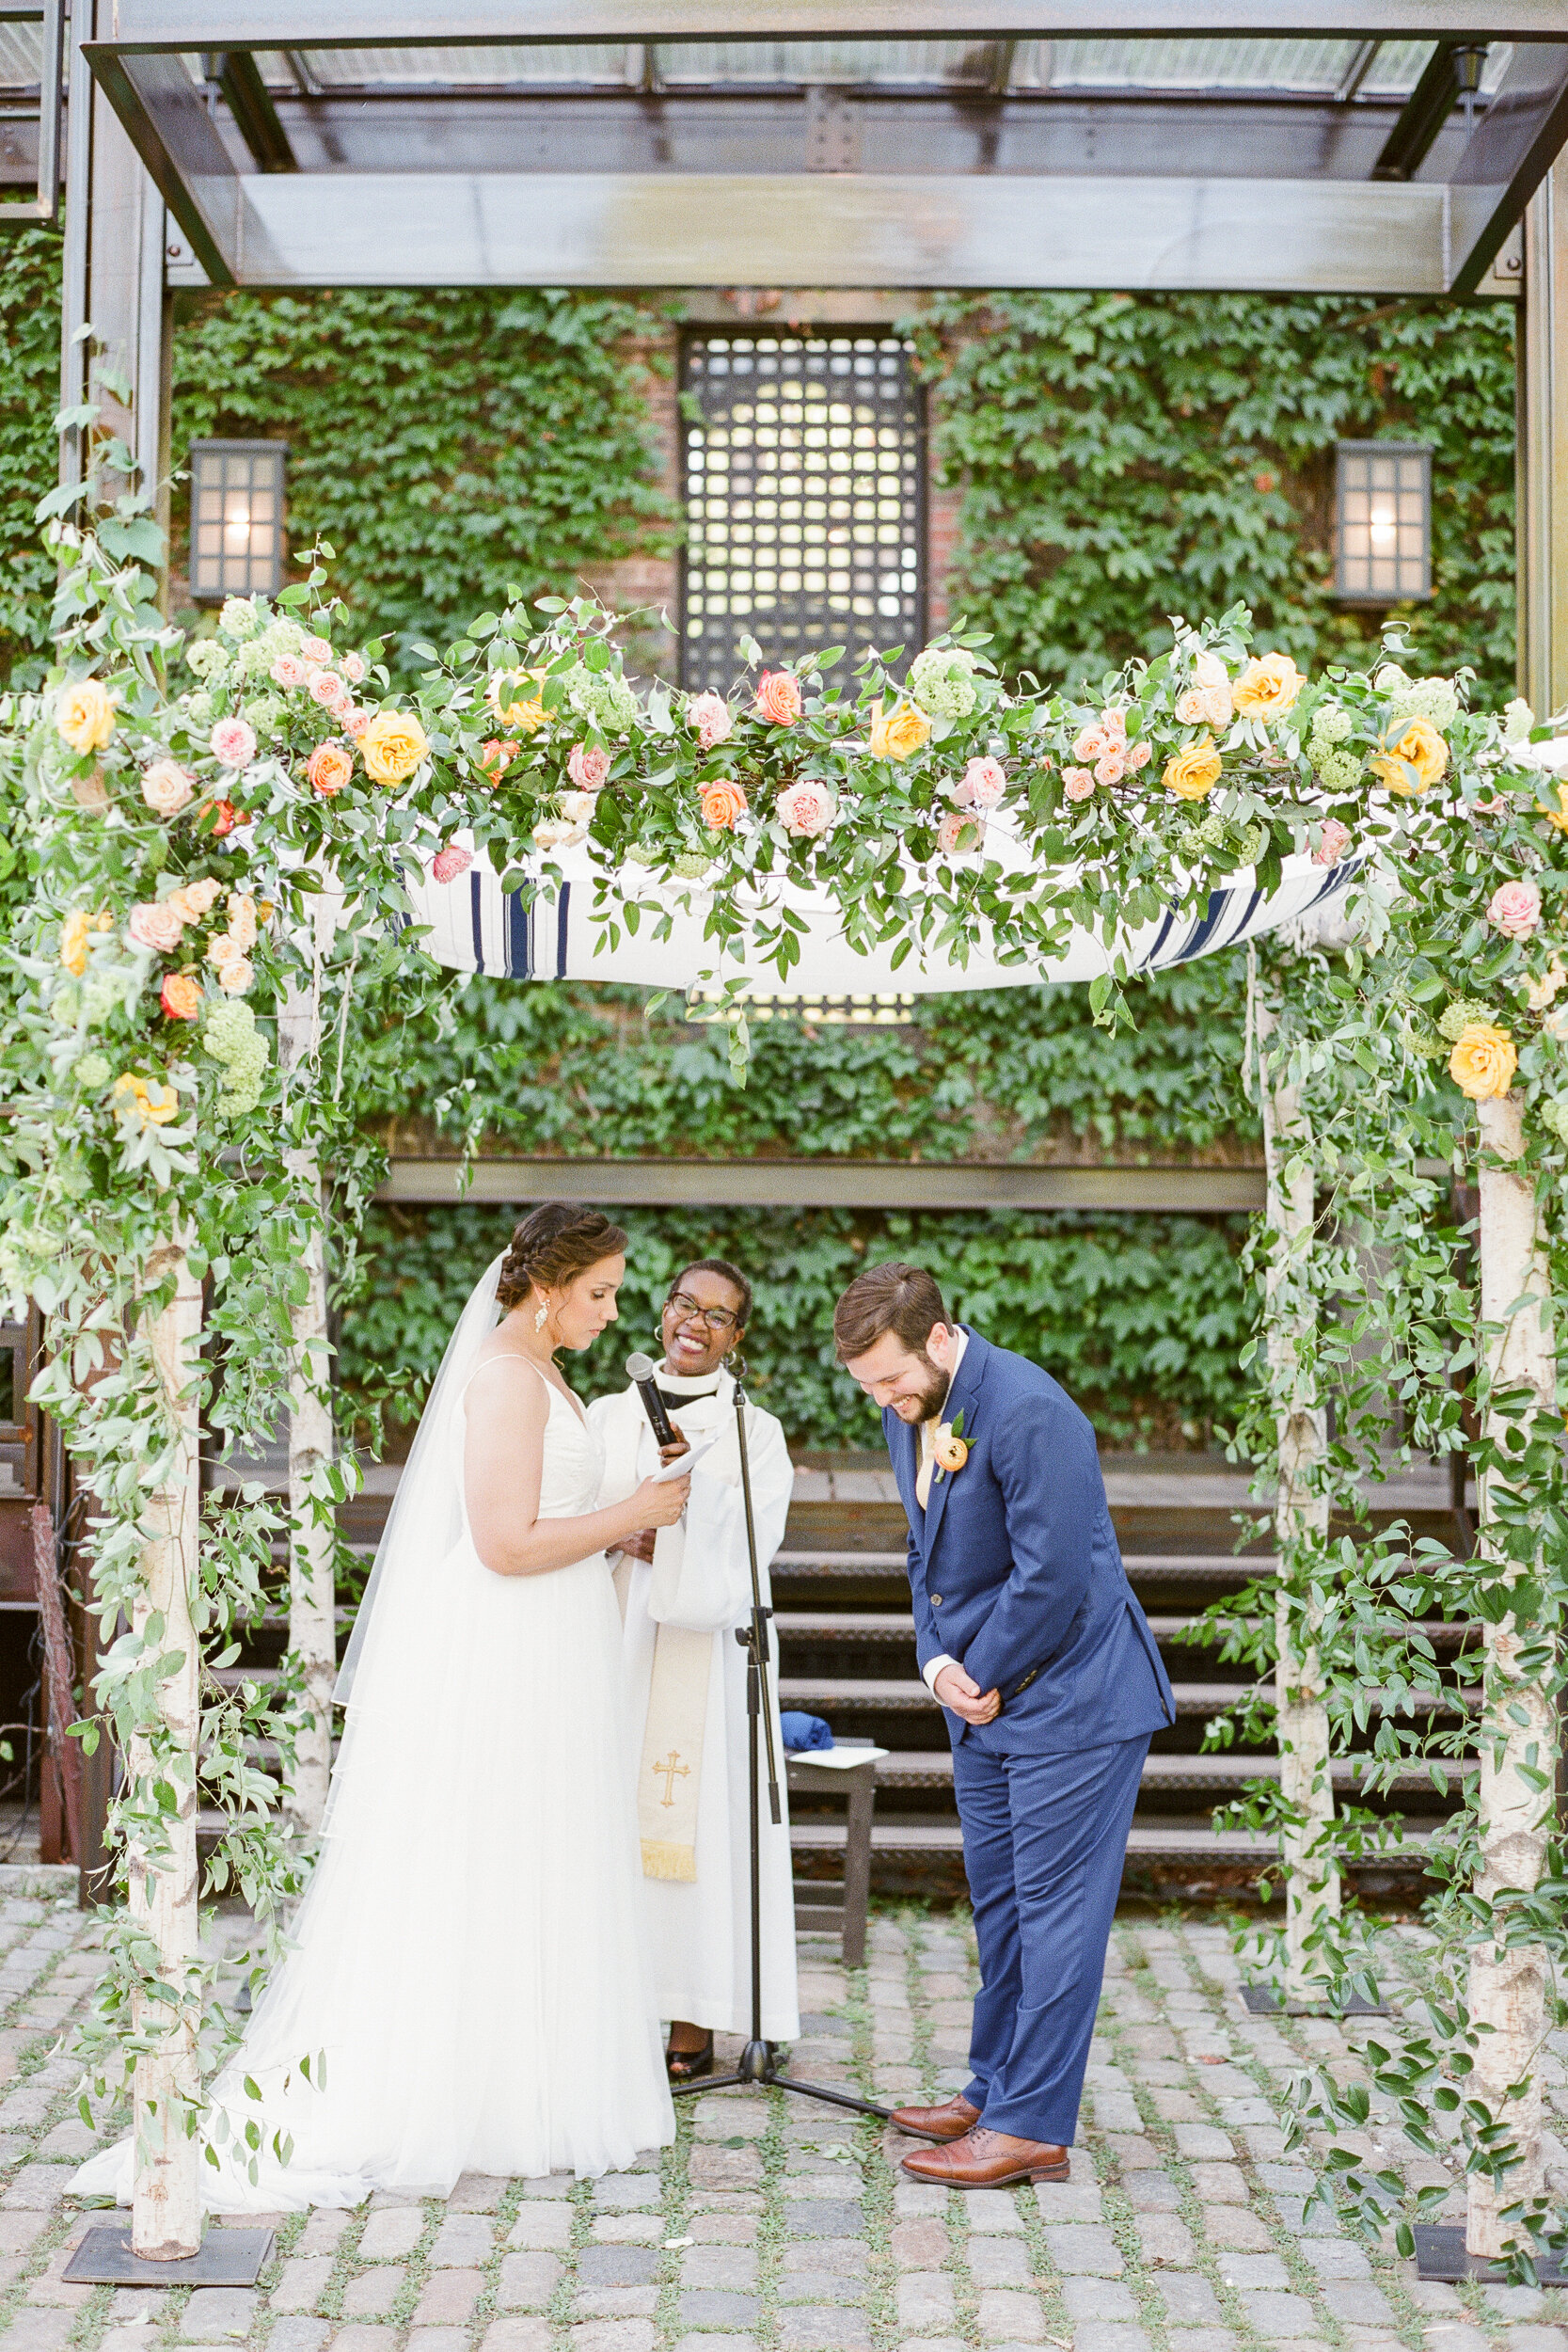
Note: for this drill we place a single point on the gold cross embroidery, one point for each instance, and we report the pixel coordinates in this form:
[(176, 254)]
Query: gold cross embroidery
[(674, 1770)]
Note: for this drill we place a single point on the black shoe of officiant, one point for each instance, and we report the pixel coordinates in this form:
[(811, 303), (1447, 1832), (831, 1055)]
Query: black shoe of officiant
[(684, 2066)]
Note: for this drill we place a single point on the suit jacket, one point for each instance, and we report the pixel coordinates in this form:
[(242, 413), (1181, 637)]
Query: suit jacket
[(1014, 1568)]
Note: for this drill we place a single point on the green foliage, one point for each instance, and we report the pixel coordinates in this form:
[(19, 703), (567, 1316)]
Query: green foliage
[(29, 395), (1141, 1318), (453, 447), (1126, 457)]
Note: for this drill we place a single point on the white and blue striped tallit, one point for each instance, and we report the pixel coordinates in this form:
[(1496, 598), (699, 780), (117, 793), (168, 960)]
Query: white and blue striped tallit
[(472, 925)]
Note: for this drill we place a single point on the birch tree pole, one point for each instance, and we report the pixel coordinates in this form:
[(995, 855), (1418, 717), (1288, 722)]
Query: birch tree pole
[(312, 1621), (163, 1892), (1312, 1892), (1518, 1736)]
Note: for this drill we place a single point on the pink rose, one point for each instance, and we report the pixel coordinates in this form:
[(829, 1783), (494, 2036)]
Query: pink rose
[(1077, 782), (449, 863), (154, 925), (1111, 766), (806, 808), (354, 668), (288, 671), (779, 698), (1515, 909), (983, 784), (167, 788), (587, 768), (1138, 757), (327, 688), (316, 649), (1334, 842), (954, 826), (354, 720), (711, 716), (233, 743)]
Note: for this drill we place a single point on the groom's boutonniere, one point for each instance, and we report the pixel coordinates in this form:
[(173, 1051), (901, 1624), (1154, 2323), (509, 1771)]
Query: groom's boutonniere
[(950, 1447)]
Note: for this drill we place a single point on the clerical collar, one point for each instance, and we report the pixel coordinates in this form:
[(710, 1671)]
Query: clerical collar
[(679, 1387)]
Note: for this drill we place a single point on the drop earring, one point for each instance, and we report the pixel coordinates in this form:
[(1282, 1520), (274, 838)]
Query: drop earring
[(541, 1318)]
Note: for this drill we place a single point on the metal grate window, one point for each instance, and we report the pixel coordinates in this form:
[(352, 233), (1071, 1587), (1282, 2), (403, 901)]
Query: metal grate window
[(805, 483), (236, 518)]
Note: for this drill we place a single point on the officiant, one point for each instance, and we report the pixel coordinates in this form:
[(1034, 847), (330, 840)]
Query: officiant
[(686, 1681)]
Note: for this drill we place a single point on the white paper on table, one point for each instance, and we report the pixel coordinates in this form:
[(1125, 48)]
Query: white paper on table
[(837, 1759), (687, 1461)]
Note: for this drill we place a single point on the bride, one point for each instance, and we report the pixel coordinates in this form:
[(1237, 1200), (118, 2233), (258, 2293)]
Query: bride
[(467, 1980)]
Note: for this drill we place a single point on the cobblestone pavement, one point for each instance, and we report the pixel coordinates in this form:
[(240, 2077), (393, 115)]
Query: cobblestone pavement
[(777, 2225)]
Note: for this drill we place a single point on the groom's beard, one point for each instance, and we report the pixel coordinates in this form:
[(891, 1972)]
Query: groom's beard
[(927, 1402)]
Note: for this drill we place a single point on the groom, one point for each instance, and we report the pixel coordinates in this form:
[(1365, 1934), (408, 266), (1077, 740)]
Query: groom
[(1028, 1633)]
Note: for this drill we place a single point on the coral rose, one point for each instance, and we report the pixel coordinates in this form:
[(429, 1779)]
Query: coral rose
[(449, 863), (180, 997), (155, 925), (711, 716), (1267, 687), (496, 757), (1077, 782), (331, 767), (1515, 909), (587, 768), (960, 832), (903, 731), (233, 743), (392, 746), (225, 817), (778, 698), (167, 788), (721, 805), (84, 714), (1332, 843), (950, 1451), (806, 808), (1417, 757), (1484, 1061), (982, 784), (154, 1106), (1194, 772)]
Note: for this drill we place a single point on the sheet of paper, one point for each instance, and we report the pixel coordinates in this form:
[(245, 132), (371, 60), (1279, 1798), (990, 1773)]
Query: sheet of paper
[(687, 1461), (837, 1759)]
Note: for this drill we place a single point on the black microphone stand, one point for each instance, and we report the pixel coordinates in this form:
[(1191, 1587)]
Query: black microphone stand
[(757, 2064)]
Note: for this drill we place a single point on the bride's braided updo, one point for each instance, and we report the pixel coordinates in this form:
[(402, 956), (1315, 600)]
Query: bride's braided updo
[(553, 1243)]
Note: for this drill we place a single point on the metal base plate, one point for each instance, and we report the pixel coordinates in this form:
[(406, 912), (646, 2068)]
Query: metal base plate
[(228, 2258), (1264, 2001), (1440, 2254)]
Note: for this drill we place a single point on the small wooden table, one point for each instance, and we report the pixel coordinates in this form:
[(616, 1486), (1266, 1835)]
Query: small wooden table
[(840, 1905)]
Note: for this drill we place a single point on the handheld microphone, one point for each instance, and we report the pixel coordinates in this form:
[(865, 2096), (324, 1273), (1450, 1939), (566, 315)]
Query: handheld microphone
[(644, 1374)]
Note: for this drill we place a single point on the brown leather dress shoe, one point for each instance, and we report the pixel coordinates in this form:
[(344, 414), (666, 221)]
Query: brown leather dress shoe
[(985, 2159), (949, 2121)]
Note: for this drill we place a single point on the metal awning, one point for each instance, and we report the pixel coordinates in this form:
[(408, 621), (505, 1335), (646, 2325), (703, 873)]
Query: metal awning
[(1286, 145)]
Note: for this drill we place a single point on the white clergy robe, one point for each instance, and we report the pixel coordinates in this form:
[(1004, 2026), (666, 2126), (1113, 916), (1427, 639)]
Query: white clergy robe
[(700, 1932)]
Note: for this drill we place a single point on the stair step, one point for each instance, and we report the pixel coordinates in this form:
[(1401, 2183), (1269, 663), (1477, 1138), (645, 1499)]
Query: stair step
[(817, 1694), (1197, 1568), (1147, 1841), (922, 1768), (897, 1625)]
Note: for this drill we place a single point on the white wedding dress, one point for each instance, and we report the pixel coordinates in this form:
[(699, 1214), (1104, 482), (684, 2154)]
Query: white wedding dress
[(468, 1958)]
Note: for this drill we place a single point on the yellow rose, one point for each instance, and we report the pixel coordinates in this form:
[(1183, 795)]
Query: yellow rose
[(75, 933), (154, 1106), (84, 714), (1558, 815), (392, 746), (1484, 1061), (900, 733), (1194, 772), (511, 710), (1267, 687), (1416, 758)]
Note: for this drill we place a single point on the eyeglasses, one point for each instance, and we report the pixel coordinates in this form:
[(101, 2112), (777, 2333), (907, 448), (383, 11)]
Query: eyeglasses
[(686, 1310)]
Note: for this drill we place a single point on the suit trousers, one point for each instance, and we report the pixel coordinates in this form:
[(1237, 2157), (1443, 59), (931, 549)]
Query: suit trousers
[(1045, 1837)]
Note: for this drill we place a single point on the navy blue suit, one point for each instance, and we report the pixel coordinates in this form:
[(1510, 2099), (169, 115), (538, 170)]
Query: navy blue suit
[(1014, 1571)]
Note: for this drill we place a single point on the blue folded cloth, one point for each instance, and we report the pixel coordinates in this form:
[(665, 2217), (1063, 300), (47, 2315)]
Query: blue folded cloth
[(802, 1733)]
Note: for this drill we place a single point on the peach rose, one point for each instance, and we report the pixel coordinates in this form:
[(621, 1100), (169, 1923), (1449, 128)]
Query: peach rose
[(1209, 670), (721, 805), (1138, 756), (155, 925), (84, 714), (1417, 757), (1204, 707), (1484, 1061), (1077, 782), (807, 808), (1267, 687), (167, 788), (1332, 843), (392, 746), (180, 997), (233, 743), (1111, 766), (1194, 772), (982, 784), (950, 1452), (235, 976), (587, 768), (329, 768), (449, 863), (959, 833), (711, 716), (1515, 909), (778, 698), (194, 899), (242, 921), (903, 731)]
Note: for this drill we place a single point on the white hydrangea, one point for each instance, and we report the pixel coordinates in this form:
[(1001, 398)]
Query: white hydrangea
[(942, 682), (239, 617), (206, 657), (1432, 698), (282, 636), (1518, 719)]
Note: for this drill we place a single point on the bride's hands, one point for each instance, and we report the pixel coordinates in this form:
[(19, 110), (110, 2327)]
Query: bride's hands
[(659, 1503)]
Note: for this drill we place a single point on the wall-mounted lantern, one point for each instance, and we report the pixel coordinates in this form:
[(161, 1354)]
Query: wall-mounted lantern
[(1381, 521), (236, 519)]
